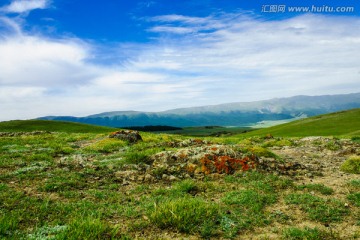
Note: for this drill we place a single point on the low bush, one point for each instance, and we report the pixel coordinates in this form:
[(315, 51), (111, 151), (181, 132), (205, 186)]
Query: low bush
[(351, 165)]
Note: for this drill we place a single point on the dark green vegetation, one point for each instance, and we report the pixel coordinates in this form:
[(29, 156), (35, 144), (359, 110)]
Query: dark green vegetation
[(345, 123), (232, 114), (73, 185), (209, 131), (51, 126), (153, 128)]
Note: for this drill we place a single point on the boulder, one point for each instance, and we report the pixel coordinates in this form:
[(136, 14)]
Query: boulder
[(127, 135)]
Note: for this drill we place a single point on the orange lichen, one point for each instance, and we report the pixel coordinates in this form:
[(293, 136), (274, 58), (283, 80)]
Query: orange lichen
[(226, 164), (190, 168)]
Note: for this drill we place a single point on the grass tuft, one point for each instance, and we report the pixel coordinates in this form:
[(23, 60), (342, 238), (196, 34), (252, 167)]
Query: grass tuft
[(186, 214), (351, 165), (306, 234)]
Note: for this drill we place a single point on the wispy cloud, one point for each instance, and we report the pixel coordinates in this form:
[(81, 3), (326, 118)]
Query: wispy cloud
[(301, 55), (180, 18), (22, 6), (171, 29), (180, 24)]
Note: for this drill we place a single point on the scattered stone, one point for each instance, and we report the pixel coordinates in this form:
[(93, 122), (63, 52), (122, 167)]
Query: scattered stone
[(188, 143), (129, 175), (269, 136), (148, 178), (127, 135), (172, 178)]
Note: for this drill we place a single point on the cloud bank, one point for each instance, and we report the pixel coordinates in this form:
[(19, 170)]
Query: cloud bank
[(193, 61)]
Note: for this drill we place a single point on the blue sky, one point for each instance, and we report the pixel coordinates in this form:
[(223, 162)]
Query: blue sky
[(63, 57)]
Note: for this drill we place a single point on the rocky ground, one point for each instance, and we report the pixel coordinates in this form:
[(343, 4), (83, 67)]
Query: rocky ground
[(310, 158)]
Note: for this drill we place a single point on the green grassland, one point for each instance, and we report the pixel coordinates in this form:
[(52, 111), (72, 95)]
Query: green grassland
[(74, 182), (52, 126), (346, 123)]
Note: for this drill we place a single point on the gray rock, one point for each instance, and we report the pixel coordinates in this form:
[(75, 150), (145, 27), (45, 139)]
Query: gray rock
[(148, 178), (127, 135)]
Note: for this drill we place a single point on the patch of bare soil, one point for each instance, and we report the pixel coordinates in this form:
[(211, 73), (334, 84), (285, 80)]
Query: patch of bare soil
[(323, 158)]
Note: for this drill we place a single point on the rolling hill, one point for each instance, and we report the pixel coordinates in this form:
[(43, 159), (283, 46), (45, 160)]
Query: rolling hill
[(52, 126), (231, 114), (344, 123)]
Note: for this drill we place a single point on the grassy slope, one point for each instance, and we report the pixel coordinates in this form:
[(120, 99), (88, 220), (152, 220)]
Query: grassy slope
[(345, 123), (53, 126)]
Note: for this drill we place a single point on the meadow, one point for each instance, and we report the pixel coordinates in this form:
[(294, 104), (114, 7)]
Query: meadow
[(70, 181)]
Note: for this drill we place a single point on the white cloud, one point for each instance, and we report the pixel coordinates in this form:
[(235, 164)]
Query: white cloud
[(224, 58), (169, 29), (301, 55), (11, 25), (23, 6), (29, 60), (181, 18)]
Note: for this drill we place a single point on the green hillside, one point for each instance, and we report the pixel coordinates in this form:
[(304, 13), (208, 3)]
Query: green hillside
[(345, 123), (53, 126)]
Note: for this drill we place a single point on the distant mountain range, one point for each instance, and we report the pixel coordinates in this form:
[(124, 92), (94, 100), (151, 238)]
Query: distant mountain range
[(231, 114)]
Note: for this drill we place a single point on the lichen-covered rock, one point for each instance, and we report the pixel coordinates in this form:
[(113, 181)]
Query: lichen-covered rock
[(127, 135), (199, 160), (188, 143), (129, 175)]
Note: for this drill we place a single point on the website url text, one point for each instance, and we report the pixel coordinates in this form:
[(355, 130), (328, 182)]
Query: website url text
[(310, 9)]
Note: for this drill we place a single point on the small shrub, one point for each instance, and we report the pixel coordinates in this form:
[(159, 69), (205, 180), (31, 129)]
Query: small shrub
[(333, 145), (9, 223), (262, 152), (39, 157), (354, 198), (305, 234), (34, 167), (45, 232), (278, 143), (107, 145), (87, 229), (249, 200), (187, 186), (246, 210), (355, 184), (317, 208), (318, 188), (255, 179), (3, 187), (185, 214), (62, 183), (137, 157), (351, 165), (356, 139)]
